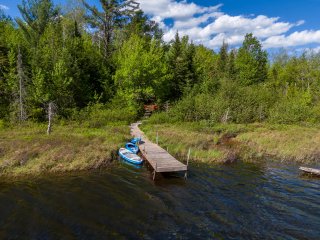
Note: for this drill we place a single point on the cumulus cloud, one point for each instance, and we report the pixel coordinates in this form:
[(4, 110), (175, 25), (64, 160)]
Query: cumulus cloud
[(294, 39), (210, 26), (4, 7)]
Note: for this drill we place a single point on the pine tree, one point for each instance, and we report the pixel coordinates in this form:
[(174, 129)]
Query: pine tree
[(36, 15), (115, 15), (205, 61), (251, 62), (141, 25), (232, 72), (223, 60), (180, 60)]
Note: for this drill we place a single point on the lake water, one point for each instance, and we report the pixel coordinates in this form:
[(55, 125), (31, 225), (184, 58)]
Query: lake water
[(241, 201)]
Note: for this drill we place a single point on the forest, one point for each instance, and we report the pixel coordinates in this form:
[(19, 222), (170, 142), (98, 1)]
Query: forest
[(220, 156), (111, 60)]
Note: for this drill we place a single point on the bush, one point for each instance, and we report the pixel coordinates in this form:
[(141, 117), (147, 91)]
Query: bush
[(293, 109), (2, 124), (159, 118), (98, 115), (241, 104)]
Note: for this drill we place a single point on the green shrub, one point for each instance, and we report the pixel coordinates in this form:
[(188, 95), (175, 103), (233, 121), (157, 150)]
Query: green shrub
[(2, 124), (232, 102), (98, 115), (162, 117), (293, 109)]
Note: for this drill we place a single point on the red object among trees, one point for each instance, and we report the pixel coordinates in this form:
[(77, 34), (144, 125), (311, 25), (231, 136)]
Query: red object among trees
[(150, 107)]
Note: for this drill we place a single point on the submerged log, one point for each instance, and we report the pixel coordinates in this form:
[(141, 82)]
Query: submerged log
[(310, 170)]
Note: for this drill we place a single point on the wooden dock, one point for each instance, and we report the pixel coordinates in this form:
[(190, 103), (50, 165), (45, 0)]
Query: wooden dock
[(159, 159), (310, 170)]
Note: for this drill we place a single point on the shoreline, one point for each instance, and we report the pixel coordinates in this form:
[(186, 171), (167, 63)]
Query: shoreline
[(27, 151), (236, 142), (70, 148)]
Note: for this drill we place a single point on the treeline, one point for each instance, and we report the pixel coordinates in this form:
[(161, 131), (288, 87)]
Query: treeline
[(245, 85), (84, 59)]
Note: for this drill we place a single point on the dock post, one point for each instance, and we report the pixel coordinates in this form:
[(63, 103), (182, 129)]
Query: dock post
[(154, 172), (154, 155)]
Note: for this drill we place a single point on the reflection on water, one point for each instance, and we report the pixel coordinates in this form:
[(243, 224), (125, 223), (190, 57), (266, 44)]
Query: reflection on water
[(225, 202)]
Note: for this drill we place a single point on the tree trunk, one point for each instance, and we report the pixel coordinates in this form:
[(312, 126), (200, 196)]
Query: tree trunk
[(225, 118), (22, 114), (50, 116)]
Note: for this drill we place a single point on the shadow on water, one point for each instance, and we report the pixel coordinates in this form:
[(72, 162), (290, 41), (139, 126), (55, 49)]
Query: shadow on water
[(241, 201)]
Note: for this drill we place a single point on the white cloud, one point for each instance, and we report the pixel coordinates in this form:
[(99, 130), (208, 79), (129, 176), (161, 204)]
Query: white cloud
[(4, 7), (294, 39), (173, 9), (210, 26)]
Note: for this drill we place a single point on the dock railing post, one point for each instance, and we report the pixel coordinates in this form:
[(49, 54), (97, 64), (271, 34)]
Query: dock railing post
[(155, 171), (188, 158)]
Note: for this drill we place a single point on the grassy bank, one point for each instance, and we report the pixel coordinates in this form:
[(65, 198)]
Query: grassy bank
[(230, 142), (28, 150)]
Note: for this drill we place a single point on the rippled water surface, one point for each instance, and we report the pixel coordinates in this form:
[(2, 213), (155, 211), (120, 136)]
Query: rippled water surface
[(216, 202)]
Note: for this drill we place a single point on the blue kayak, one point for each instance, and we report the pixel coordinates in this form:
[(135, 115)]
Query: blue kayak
[(130, 156), (132, 147), (135, 140)]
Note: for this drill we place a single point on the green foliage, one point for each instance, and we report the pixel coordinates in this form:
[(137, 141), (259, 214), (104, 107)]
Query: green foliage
[(293, 109), (98, 115), (114, 56), (36, 15), (251, 62), (181, 67), (2, 124), (240, 105), (140, 70), (115, 15), (204, 67), (141, 25), (223, 59)]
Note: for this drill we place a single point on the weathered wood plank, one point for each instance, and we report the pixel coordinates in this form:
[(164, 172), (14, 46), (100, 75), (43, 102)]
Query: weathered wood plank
[(310, 170), (158, 158)]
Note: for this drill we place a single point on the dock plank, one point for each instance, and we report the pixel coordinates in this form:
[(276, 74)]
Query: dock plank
[(310, 170), (158, 158)]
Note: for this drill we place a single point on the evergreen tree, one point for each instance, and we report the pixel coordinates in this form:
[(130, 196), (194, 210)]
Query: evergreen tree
[(205, 61), (36, 15), (223, 60), (180, 60), (115, 15), (141, 25), (232, 72), (251, 62)]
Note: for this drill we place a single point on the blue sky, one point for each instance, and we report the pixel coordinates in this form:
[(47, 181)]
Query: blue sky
[(290, 24)]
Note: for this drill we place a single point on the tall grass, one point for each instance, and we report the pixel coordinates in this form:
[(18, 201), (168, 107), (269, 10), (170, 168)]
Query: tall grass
[(89, 140), (248, 142), (177, 139), (28, 150), (98, 115)]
